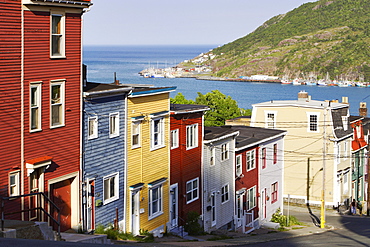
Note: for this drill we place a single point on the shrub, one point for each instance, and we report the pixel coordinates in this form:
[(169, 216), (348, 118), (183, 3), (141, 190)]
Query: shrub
[(278, 217), (192, 225)]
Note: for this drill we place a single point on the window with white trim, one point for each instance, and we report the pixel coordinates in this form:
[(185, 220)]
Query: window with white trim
[(225, 193), (238, 165), (174, 138), (92, 127), (251, 163), (275, 153), (274, 192), (345, 122), (192, 190), (192, 136), (251, 198), (213, 156), (263, 158), (14, 184), (155, 201), (57, 103), (136, 126), (270, 120), (114, 124), (110, 188), (57, 39), (224, 151), (157, 133), (313, 122), (35, 106)]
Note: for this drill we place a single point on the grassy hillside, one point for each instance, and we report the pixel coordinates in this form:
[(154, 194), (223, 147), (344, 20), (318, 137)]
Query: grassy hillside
[(320, 38)]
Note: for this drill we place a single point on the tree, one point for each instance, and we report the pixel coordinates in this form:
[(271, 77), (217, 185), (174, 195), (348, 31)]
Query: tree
[(180, 99), (222, 107)]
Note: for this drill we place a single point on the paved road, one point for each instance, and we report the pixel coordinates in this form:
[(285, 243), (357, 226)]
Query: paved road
[(348, 231)]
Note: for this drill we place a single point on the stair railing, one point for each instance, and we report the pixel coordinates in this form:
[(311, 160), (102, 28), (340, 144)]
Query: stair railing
[(38, 194)]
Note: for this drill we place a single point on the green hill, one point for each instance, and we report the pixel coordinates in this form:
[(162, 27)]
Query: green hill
[(319, 38)]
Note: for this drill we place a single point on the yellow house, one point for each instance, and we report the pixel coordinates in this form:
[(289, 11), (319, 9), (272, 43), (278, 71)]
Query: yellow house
[(318, 142), (148, 158)]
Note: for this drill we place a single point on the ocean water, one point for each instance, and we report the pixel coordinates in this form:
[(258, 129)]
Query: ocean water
[(127, 61)]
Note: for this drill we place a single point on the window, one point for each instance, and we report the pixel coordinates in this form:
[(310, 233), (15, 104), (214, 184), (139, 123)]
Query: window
[(313, 122), (225, 193), (192, 190), (192, 136), (14, 184), (35, 106), (110, 188), (57, 103), (251, 198), (57, 35), (263, 157), (274, 192), (93, 127), (157, 131), (270, 121), (175, 138), (114, 124), (345, 151), (224, 151), (275, 153), (345, 122), (251, 164), (212, 159), (155, 201), (136, 134), (238, 165)]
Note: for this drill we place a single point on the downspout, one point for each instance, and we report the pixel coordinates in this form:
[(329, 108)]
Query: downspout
[(22, 110)]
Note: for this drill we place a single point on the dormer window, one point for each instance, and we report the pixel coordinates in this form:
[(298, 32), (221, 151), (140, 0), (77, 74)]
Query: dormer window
[(345, 122)]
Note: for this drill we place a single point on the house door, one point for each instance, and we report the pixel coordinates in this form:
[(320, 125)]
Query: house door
[(61, 196), (213, 209), (174, 206), (135, 213), (263, 206), (239, 210), (91, 205), (36, 185)]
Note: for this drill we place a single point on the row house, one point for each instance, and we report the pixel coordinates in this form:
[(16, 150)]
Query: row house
[(42, 107), (104, 147), (318, 141), (186, 142)]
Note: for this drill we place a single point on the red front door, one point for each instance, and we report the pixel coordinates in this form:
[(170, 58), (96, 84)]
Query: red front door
[(61, 196)]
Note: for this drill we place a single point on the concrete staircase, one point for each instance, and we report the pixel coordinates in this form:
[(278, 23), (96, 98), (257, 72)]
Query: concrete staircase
[(180, 232)]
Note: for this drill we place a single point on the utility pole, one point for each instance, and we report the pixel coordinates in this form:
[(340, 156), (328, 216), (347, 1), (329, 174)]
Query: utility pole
[(322, 220)]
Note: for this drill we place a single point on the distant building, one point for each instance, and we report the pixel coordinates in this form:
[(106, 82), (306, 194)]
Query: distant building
[(243, 120)]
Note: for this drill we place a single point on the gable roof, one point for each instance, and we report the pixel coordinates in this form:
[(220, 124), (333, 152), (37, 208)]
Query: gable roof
[(186, 108), (212, 134)]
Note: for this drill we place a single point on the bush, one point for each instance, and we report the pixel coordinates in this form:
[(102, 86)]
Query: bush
[(192, 225), (278, 217)]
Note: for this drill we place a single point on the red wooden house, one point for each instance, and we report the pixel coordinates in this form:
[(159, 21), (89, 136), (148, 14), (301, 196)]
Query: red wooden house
[(186, 161), (41, 107)]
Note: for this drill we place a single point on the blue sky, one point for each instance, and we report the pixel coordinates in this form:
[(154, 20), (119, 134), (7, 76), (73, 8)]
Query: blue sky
[(149, 22)]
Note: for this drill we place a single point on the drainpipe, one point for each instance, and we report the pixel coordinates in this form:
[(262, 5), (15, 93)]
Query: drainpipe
[(22, 110)]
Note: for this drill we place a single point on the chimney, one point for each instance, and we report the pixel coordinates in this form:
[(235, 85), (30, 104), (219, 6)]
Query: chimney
[(303, 96), (363, 109), (116, 82), (345, 100)]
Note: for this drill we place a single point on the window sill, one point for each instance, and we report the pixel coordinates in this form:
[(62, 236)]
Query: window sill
[(155, 215), (110, 200), (193, 200), (189, 148), (92, 137), (136, 147), (113, 136), (35, 130), (56, 126), (58, 57), (157, 147)]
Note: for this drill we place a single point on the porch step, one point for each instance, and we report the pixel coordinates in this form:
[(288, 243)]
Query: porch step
[(28, 230), (85, 238), (178, 231)]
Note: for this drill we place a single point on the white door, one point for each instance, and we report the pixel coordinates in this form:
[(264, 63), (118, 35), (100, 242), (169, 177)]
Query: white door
[(174, 206), (263, 204), (90, 205), (239, 210), (213, 209), (135, 212)]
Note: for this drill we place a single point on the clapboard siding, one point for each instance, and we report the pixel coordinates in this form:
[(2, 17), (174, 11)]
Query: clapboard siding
[(104, 156)]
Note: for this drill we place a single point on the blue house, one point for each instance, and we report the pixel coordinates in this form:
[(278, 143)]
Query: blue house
[(103, 165)]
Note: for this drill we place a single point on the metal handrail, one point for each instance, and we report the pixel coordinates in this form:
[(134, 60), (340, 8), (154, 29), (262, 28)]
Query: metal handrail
[(2, 199)]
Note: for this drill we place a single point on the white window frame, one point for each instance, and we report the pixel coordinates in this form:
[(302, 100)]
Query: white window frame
[(191, 136), (92, 127), (274, 192), (61, 34), (270, 122), (35, 105), (345, 150), (114, 124), (225, 194), (16, 185), (191, 189), (212, 160), (275, 153), (157, 133), (238, 165), (251, 159), (251, 194), (225, 151), (159, 200), (309, 124), (174, 138), (115, 196), (345, 122), (136, 132), (263, 156), (61, 103)]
